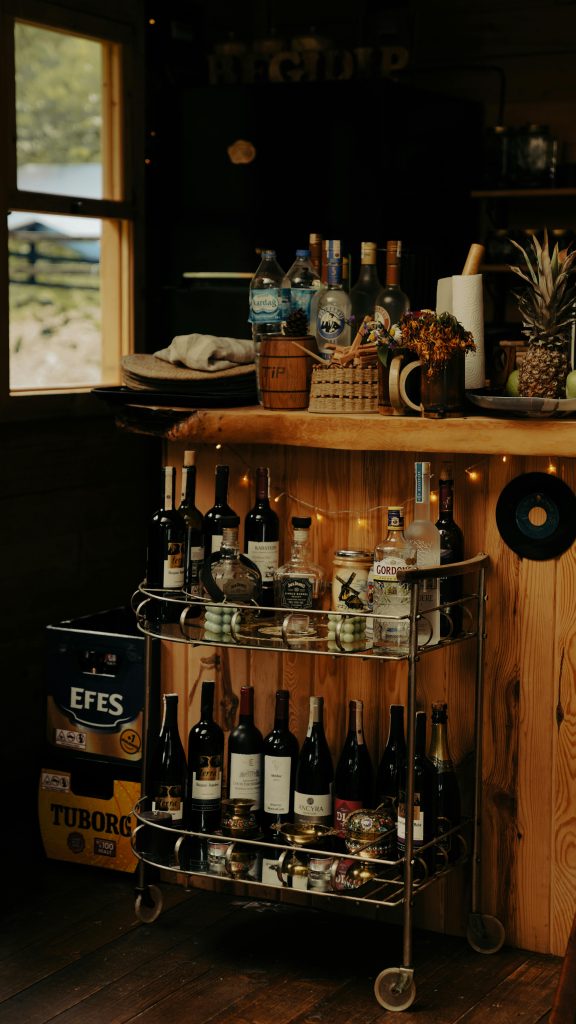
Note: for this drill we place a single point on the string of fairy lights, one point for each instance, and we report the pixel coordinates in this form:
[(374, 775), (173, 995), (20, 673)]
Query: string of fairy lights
[(473, 474)]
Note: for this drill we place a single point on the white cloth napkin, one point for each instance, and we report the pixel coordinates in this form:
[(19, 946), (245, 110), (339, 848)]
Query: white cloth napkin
[(207, 352), (462, 295)]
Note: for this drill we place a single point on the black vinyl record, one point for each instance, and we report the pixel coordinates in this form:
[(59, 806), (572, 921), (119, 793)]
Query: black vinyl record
[(536, 516)]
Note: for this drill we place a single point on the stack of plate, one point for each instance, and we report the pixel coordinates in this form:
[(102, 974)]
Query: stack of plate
[(161, 380)]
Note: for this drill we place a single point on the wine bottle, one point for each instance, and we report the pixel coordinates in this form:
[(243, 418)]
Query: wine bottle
[(424, 535), (391, 301), (354, 777), (451, 550), (165, 553), (314, 772), (424, 822), (367, 287), (194, 523), (447, 791), (168, 770), (280, 756), (392, 761), (261, 535), (205, 758), (245, 753), (220, 508)]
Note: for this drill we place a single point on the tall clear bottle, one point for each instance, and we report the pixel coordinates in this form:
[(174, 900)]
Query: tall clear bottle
[(368, 285), (447, 791), (392, 761), (354, 777), (261, 535), (269, 303), (230, 576), (194, 522), (331, 311), (390, 598), (451, 550), (205, 761), (220, 508), (391, 301), (168, 769), (304, 282), (314, 772), (300, 583), (425, 536)]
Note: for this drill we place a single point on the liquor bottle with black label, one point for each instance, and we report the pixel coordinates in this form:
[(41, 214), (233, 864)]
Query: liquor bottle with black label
[(447, 791), (314, 773), (392, 761), (299, 583), (214, 515), (205, 760), (280, 758), (425, 798), (451, 550), (166, 550), (354, 778), (261, 535), (193, 519), (245, 754), (168, 769)]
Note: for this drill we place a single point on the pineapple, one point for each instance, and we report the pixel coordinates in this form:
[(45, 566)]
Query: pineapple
[(547, 307)]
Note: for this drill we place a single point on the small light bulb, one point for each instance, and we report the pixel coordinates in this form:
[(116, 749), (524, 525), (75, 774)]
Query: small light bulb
[(319, 517), (245, 480), (551, 467), (504, 458), (218, 447), (433, 497), (151, 21), (473, 474), (363, 523)]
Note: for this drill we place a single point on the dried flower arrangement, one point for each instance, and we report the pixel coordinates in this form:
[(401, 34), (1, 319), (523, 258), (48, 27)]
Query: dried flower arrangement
[(433, 337)]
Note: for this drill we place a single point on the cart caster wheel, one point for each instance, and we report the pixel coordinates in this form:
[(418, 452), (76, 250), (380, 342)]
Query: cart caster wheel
[(485, 933), (149, 904), (394, 988)]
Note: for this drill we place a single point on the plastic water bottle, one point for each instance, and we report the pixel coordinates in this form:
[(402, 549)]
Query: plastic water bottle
[(304, 282), (269, 303)]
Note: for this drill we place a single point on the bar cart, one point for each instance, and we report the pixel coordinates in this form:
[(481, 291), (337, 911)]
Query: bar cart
[(361, 878)]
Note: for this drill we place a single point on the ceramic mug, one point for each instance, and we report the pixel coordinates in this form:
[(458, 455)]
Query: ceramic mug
[(441, 395), (403, 396)]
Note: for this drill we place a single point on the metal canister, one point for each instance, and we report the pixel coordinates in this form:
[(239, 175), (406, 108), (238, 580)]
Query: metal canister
[(350, 580)]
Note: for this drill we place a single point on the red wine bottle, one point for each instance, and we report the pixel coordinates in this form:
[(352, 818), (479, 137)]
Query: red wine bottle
[(425, 799), (193, 520), (166, 548), (168, 770), (392, 761), (451, 550), (280, 757), (245, 753), (205, 759), (354, 778), (214, 515), (261, 535), (447, 791), (314, 772)]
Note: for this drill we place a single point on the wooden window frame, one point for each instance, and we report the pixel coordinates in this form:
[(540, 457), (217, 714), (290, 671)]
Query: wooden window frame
[(120, 213)]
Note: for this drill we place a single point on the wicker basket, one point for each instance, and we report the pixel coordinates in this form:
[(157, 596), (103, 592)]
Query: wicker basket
[(344, 389)]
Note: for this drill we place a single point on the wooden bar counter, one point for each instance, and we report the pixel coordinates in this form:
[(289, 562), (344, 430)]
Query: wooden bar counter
[(344, 471)]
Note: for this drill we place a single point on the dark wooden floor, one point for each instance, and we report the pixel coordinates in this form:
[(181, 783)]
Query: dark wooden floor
[(73, 952)]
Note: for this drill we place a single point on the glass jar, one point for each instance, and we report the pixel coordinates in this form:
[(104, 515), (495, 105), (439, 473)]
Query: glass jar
[(350, 580)]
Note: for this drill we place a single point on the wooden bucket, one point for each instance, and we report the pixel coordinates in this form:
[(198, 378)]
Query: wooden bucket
[(285, 372)]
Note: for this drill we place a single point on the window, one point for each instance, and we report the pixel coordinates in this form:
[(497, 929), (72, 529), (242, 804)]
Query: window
[(68, 234)]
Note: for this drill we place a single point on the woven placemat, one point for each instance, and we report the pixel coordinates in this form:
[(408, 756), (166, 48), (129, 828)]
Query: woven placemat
[(147, 373)]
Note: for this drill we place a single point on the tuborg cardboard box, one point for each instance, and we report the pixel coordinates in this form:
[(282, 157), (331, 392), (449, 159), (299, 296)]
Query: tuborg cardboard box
[(95, 686)]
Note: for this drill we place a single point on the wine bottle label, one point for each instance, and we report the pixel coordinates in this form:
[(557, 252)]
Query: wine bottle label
[(195, 561), (207, 778), (418, 824), (265, 305), (382, 316), (342, 808), (173, 574), (276, 784), (314, 807), (170, 799), (264, 554), (296, 592), (269, 871), (246, 777)]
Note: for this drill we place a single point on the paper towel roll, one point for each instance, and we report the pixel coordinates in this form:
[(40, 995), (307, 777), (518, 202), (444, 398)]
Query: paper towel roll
[(462, 296)]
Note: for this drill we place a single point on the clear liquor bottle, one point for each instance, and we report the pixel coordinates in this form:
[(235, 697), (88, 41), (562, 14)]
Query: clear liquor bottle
[(391, 301), (330, 312), (425, 535), (299, 583), (368, 285), (390, 598), (230, 575)]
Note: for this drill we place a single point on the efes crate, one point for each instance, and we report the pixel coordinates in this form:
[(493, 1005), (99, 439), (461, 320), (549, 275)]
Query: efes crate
[(85, 815), (95, 686)]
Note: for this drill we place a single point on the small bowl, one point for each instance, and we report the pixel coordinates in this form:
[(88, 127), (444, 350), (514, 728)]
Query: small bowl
[(303, 835)]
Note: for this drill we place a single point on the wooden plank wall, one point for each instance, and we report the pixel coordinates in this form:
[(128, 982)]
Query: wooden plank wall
[(529, 771)]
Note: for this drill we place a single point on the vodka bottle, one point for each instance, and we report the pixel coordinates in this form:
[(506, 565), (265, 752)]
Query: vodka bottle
[(330, 312), (390, 598), (426, 536), (368, 286), (391, 301), (304, 281)]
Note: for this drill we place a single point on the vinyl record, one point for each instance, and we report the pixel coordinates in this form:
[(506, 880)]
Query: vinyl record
[(536, 516)]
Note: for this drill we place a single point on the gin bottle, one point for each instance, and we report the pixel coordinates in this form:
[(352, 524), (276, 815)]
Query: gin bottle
[(330, 312), (425, 535), (391, 301), (300, 582), (391, 599)]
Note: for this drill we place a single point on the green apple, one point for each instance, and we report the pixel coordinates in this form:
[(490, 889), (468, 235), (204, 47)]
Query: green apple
[(512, 384), (571, 385)]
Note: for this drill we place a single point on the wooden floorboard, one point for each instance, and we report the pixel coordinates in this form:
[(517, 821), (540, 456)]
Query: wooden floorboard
[(72, 951)]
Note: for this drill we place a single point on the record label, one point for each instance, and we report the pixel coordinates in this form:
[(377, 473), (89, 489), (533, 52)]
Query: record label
[(536, 516)]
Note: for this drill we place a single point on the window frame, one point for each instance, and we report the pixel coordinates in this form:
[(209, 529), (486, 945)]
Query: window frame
[(121, 263)]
